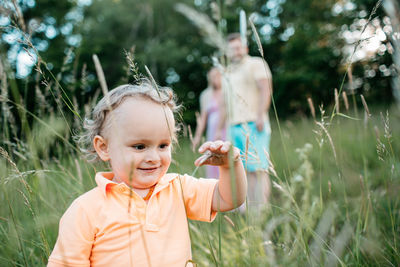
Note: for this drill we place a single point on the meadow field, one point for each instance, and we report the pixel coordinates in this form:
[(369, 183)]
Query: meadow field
[(335, 174), (335, 192)]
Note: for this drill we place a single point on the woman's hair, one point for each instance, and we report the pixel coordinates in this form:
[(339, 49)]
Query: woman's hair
[(144, 89)]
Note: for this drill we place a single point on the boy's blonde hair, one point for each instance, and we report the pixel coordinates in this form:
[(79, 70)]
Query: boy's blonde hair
[(144, 89)]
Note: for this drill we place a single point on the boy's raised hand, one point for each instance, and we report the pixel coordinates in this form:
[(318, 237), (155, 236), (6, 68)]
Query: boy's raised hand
[(216, 153)]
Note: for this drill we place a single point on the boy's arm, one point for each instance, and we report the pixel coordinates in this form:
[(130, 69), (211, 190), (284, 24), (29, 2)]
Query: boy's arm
[(223, 198), (75, 239)]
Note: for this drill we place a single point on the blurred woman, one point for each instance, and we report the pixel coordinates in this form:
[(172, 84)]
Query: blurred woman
[(211, 106)]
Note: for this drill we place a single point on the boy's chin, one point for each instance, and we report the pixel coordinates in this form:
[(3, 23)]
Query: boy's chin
[(143, 186)]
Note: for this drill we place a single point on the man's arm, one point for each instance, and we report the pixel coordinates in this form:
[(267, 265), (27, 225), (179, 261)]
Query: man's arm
[(264, 101)]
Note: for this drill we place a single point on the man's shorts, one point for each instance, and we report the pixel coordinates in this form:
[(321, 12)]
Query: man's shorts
[(258, 145)]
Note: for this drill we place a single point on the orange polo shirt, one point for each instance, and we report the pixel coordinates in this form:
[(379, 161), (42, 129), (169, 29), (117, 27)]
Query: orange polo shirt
[(113, 226)]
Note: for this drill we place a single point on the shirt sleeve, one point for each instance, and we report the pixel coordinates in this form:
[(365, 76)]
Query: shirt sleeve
[(260, 69), (75, 238), (198, 196)]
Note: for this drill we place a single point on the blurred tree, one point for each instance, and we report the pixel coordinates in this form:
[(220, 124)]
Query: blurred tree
[(304, 45), (159, 38), (30, 29), (302, 42)]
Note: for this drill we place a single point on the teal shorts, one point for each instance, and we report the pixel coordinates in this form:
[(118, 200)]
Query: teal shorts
[(258, 144)]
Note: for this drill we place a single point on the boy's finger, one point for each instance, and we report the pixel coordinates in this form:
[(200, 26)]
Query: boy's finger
[(204, 146), (201, 160), (216, 145), (236, 153), (225, 147)]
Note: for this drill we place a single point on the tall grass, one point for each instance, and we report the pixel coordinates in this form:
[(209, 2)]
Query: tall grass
[(319, 216), (330, 210), (335, 191)]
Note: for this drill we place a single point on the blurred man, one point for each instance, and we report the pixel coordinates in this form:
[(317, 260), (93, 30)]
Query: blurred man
[(249, 87)]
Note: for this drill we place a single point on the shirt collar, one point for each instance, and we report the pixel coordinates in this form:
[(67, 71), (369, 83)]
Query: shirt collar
[(105, 183)]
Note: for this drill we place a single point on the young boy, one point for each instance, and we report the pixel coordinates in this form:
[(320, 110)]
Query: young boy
[(137, 214)]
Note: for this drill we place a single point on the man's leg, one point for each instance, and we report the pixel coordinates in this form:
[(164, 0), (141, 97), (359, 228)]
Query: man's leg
[(259, 188)]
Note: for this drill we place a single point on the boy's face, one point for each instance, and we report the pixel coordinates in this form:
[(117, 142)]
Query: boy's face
[(138, 142)]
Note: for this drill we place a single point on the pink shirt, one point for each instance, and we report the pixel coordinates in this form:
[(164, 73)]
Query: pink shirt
[(113, 226)]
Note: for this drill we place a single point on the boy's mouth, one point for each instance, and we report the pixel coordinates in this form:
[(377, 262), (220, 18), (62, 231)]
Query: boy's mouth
[(148, 169)]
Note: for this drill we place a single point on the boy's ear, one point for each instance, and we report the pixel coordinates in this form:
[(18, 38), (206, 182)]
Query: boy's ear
[(101, 147)]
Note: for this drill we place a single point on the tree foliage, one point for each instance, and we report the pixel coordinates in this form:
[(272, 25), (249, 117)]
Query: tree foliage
[(302, 42)]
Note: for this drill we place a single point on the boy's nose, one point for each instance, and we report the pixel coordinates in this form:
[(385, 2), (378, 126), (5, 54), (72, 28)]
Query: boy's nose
[(152, 155)]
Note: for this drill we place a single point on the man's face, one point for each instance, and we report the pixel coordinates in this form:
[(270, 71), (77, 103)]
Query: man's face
[(236, 50)]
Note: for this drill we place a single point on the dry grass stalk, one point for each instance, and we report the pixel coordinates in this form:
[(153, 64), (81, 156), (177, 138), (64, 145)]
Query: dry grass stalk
[(190, 135), (311, 105), (3, 76), (77, 122), (337, 101), (215, 11), (376, 130), (339, 245), (184, 130), (365, 119), (324, 224), (4, 92), (229, 220), (5, 155), (278, 186), (258, 41), (153, 81), (40, 96), (133, 68), (246, 152), (100, 75), (345, 100), (365, 106), (68, 57), (83, 77), (381, 150), (329, 138), (19, 15), (271, 167), (388, 134), (207, 28), (350, 75)]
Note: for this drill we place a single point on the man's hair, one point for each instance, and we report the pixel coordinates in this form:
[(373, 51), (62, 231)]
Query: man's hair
[(233, 36), (100, 115)]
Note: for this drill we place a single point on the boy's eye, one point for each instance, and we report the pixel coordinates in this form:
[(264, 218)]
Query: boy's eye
[(163, 146), (139, 147)]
